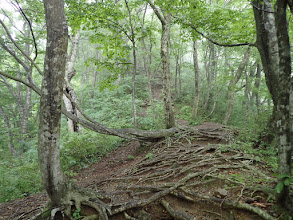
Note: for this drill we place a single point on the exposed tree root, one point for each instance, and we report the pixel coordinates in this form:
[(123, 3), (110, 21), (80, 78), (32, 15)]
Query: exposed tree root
[(176, 214)]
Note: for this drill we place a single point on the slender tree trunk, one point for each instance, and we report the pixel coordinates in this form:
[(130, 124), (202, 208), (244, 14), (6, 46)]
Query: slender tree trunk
[(134, 64), (196, 80), (53, 178), (95, 75), (9, 132), (246, 95), (28, 95), (179, 76), (169, 114), (214, 103), (69, 74), (166, 74), (210, 74), (176, 75), (148, 62), (86, 68), (256, 85), (232, 84)]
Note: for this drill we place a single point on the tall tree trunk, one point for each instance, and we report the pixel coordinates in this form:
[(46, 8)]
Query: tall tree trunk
[(165, 20), (196, 80), (169, 114), (232, 84), (53, 178)]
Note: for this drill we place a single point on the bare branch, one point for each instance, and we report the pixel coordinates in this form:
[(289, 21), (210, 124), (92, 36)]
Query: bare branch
[(211, 40), (12, 53), (32, 86), (156, 10), (19, 48), (30, 25)]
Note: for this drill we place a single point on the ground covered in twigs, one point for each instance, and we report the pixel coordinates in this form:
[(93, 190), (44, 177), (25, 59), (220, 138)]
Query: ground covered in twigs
[(192, 175)]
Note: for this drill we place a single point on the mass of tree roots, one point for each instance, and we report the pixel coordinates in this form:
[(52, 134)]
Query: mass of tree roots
[(186, 170)]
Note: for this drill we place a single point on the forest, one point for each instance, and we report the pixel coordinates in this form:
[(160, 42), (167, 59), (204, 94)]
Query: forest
[(146, 109)]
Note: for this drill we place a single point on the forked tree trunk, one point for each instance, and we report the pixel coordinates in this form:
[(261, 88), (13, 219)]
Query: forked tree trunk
[(53, 178), (232, 84)]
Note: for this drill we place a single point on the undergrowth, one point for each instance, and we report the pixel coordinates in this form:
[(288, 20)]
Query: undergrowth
[(20, 176), (80, 150)]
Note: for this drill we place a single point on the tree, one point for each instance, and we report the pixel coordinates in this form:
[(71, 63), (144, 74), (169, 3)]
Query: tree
[(272, 27), (53, 178), (165, 19), (196, 81)]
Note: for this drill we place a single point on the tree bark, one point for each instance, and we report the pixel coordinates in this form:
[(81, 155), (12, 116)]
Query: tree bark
[(51, 99)]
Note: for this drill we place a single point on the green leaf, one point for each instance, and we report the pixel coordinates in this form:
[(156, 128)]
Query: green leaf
[(279, 187), (281, 176), (287, 181), (149, 156)]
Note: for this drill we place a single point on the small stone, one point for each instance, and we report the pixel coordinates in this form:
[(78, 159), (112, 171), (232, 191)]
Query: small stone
[(220, 193)]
